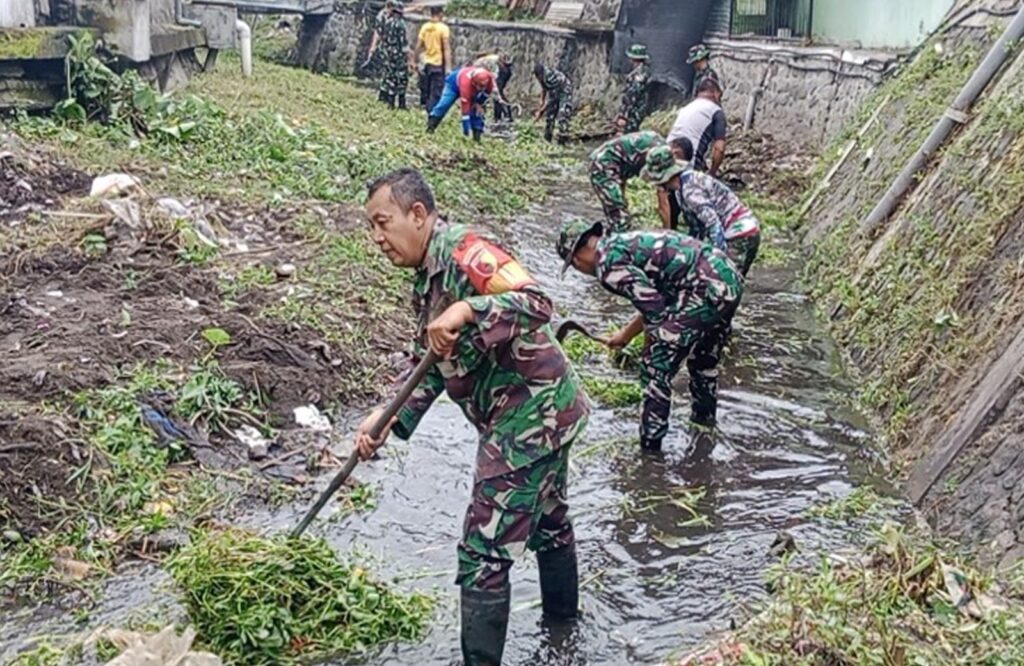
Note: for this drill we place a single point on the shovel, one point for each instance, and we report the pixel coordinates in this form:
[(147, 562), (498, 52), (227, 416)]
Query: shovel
[(570, 326), (418, 373)]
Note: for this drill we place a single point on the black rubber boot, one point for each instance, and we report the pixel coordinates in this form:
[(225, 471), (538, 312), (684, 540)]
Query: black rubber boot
[(562, 139), (401, 102), (432, 123), (559, 583), (383, 97), (484, 622), (477, 134), (548, 136), (650, 445)]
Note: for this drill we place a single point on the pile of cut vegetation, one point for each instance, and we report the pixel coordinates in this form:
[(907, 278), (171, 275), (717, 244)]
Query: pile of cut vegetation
[(902, 602), (280, 600)]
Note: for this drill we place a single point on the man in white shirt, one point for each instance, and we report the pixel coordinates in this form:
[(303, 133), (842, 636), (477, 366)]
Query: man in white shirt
[(702, 121)]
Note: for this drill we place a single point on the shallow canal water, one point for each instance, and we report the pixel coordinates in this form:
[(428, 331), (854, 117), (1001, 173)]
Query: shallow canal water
[(653, 583)]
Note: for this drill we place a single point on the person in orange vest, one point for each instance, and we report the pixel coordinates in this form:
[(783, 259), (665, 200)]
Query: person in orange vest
[(471, 86)]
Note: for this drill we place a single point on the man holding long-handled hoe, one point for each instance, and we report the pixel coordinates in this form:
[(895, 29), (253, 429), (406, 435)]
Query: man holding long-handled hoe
[(488, 320)]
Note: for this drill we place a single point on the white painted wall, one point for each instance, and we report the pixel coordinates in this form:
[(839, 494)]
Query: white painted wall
[(878, 23), (17, 13)]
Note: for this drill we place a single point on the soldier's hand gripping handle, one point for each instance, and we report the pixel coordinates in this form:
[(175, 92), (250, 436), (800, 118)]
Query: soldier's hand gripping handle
[(443, 332), (375, 428)]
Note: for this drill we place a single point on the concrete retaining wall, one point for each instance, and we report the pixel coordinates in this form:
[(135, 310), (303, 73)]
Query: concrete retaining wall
[(930, 305), (806, 94), (339, 44)]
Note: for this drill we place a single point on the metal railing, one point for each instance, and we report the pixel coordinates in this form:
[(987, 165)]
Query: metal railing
[(772, 18)]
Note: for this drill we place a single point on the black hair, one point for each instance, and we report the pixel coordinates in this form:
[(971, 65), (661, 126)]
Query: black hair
[(709, 86), (538, 70), (685, 147), (436, 10), (408, 186)]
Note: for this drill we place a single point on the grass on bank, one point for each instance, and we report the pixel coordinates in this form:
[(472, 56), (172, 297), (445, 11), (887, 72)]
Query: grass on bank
[(129, 487), (289, 135), (903, 602)]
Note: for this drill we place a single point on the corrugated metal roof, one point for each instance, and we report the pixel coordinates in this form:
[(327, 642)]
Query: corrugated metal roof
[(720, 17)]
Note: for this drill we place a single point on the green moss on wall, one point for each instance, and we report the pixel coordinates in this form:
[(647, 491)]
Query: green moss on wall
[(905, 312)]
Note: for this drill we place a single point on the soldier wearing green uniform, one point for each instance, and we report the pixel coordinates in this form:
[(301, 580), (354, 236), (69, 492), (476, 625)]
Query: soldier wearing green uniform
[(686, 292), (611, 165), (489, 321), (396, 57), (555, 101), (713, 212), (634, 98), (700, 58)]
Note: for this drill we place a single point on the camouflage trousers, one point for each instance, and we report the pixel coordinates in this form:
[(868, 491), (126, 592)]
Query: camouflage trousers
[(743, 251), (524, 509), (559, 108), (609, 185), (697, 335), (395, 75), (634, 115)]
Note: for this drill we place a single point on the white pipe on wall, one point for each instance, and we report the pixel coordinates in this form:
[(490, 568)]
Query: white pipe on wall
[(245, 45)]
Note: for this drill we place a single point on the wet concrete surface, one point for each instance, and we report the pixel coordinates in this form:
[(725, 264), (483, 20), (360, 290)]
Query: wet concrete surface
[(653, 582)]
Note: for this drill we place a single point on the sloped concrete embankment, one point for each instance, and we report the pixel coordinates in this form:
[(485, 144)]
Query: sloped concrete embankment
[(929, 304), (338, 45)]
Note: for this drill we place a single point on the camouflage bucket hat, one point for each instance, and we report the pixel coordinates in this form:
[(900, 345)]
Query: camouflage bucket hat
[(698, 52), (571, 237), (661, 166), (637, 52)]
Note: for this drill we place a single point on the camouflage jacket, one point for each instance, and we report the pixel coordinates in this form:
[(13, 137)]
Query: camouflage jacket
[(555, 83), (634, 98), (713, 212), (507, 374), (394, 39), (625, 155), (664, 273)]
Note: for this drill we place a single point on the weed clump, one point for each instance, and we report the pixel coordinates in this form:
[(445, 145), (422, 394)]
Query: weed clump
[(259, 601), (903, 602), (614, 393)]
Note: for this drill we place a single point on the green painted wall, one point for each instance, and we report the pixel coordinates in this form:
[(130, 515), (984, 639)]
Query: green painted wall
[(878, 23)]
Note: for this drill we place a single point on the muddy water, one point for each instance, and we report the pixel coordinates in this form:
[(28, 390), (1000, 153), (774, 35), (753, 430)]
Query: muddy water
[(653, 584)]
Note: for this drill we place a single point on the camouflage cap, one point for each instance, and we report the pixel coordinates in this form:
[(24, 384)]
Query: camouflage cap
[(397, 6), (661, 166), (571, 237), (637, 52), (698, 52)]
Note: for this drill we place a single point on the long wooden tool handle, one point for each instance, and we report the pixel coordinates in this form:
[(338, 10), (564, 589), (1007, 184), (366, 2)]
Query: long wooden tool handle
[(418, 373)]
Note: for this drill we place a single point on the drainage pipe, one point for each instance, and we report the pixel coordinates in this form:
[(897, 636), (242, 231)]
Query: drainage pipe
[(956, 114), (244, 45), (180, 18)]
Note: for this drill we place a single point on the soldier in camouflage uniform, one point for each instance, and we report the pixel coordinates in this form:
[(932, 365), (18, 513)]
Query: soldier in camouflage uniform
[(489, 321), (396, 58), (556, 101), (686, 292), (700, 58), (634, 99), (611, 165), (713, 213)]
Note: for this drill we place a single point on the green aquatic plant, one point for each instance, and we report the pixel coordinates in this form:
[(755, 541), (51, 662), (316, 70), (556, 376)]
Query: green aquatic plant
[(264, 601)]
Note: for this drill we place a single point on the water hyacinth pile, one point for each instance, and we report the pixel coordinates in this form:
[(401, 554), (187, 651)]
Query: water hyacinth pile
[(259, 601)]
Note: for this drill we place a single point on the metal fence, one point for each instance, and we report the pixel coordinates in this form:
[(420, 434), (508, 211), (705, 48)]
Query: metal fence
[(772, 18)]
